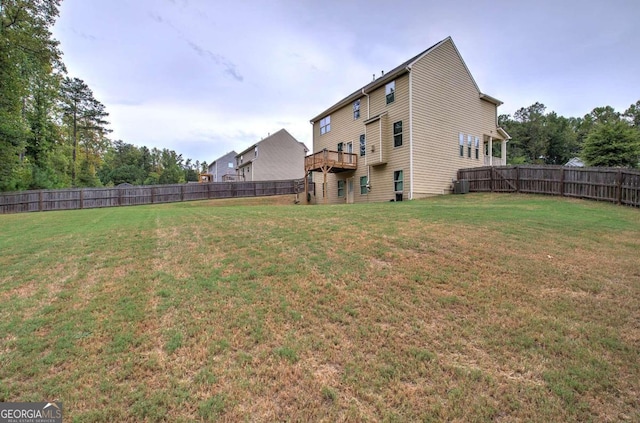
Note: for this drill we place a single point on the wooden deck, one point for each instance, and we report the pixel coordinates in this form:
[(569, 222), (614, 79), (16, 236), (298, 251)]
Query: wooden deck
[(331, 162)]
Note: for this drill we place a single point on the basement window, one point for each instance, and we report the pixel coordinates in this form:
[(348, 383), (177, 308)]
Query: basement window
[(363, 185), (340, 188), (325, 125), (398, 183)]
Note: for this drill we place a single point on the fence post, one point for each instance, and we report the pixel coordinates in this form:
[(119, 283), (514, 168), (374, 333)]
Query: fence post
[(40, 201), (81, 198), (619, 187), (562, 182), (181, 193), (153, 195), (491, 178), (517, 179)]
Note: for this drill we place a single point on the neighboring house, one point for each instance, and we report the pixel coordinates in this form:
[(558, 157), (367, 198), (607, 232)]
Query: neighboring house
[(575, 162), (223, 167), (406, 134), (278, 157)]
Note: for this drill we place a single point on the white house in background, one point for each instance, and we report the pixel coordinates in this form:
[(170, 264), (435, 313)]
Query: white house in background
[(223, 167), (575, 162)]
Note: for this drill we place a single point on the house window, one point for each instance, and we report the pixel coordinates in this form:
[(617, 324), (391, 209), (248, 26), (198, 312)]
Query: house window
[(477, 148), (325, 125), (363, 145), (469, 139), (340, 188), (461, 137), (397, 134), (230, 166), (340, 147), (241, 159), (390, 91), (356, 109), (255, 152), (397, 180), (363, 185)]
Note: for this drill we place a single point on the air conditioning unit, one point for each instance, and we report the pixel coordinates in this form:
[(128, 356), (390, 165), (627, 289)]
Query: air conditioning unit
[(461, 186)]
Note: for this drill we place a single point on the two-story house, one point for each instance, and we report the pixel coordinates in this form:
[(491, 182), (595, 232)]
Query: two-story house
[(278, 157), (405, 135), (224, 168)]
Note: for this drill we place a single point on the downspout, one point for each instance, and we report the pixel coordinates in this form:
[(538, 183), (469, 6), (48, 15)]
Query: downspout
[(366, 156), (410, 133)]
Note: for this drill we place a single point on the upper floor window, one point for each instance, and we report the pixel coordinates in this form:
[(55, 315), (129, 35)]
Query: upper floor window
[(461, 137), (241, 159), (230, 165), (325, 125), (390, 91), (356, 109), (255, 152), (363, 145), (397, 134)]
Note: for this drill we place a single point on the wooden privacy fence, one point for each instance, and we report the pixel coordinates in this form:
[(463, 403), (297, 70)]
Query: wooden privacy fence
[(86, 198), (620, 186)]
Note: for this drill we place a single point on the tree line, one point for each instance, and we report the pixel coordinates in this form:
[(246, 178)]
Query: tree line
[(603, 137), (53, 131)]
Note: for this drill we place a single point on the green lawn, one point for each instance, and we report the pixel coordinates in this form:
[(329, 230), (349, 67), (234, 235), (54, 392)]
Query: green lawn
[(455, 308)]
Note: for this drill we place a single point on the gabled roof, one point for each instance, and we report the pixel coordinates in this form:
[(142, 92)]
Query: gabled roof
[(269, 137), (230, 153), (396, 72)]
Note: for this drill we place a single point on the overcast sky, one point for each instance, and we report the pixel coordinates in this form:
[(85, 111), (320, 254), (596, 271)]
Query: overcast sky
[(204, 77)]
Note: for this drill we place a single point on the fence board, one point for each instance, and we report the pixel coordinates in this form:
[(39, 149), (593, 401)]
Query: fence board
[(621, 186), (86, 198)]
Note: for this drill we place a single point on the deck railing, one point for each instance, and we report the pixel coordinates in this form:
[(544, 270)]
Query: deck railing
[(331, 159)]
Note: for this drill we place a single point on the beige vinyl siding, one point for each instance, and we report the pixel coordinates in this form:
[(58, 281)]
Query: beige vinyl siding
[(381, 177), (446, 103), (280, 157), (344, 129)]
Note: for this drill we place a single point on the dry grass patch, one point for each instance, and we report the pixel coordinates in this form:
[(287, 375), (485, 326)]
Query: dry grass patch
[(468, 308)]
